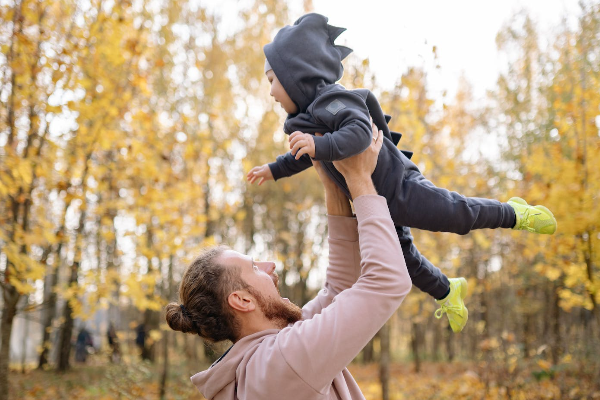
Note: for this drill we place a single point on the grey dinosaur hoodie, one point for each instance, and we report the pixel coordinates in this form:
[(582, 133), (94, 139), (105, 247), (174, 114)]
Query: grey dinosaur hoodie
[(307, 62)]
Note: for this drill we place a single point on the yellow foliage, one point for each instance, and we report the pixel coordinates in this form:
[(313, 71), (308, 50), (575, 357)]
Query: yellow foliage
[(482, 240), (155, 335), (543, 364)]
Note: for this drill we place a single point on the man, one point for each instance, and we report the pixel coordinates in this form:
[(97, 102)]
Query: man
[(281, 351)]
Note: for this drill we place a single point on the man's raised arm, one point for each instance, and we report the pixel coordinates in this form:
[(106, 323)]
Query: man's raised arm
[(344, 252), (319, 348)]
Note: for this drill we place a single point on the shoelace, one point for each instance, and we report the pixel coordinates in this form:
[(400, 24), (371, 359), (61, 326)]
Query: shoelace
[(444, 309), (524, 223)]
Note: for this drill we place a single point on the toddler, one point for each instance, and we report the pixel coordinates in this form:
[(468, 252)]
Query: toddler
[(302, 65)]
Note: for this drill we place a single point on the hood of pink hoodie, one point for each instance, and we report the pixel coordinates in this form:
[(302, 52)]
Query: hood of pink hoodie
[(219, 381)]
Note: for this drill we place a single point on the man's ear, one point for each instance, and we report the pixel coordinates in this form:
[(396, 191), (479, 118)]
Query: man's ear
[(242, 301)]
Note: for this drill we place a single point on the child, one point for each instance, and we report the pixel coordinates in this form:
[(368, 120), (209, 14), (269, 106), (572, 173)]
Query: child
[(302, 65)]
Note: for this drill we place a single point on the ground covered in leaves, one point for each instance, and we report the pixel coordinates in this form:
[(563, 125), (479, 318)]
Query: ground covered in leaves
[(136, 380), (477, 381)]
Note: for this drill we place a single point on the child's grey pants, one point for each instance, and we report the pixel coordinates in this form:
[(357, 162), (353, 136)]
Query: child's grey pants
[(420, 204)]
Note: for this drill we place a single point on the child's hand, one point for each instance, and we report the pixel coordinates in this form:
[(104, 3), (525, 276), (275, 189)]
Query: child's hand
[(302, 143), (263, 172)]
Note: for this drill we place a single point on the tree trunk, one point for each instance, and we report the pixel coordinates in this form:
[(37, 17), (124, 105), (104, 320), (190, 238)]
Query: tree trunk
[(547, 321), (248, 223), (368, 354), (529, 327), (146, 350), (556, 339), (190, 347), (435, 345), (587, 255), (67, 328), (25, 337), (384, 361), (66, 332), (485, 312), (50, 313), (209, 222), (415, 346), (168, 293), (17, 29), (11, 298), (449, 344), (165, 366), (151, 322)]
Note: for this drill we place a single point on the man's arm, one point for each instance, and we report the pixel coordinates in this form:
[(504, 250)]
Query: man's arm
[(344, 253), (319, 348)]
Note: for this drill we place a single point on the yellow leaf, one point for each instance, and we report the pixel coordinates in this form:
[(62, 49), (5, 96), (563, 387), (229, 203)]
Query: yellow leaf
[(543, 364)]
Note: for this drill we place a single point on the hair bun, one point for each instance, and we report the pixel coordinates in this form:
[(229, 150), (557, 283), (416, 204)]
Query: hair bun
[(177, 319)]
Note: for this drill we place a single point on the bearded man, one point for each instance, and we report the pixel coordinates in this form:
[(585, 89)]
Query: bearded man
[(279, 350)]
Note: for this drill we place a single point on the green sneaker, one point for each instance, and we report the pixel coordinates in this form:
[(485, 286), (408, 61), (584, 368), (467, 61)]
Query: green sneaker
[(537, 219), (454, 306)]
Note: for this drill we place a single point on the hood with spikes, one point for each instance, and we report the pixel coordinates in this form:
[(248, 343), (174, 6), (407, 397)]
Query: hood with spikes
[(304, 57)]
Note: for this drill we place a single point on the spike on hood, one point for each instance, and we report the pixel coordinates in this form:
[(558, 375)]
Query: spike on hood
[(304, 57)]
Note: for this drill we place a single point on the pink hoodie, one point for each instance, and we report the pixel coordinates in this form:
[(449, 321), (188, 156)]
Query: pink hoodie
[(366, 282)]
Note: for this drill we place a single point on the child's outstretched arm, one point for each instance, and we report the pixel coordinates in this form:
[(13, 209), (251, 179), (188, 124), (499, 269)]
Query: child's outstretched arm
[(286, 165)]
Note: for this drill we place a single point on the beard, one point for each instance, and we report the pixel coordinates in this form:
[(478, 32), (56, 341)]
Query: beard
[(281, 312)]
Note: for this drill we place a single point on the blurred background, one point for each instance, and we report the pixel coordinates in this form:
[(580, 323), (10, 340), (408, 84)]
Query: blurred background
[(126, 131)]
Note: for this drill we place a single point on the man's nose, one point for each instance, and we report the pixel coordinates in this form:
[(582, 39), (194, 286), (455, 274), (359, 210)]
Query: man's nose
[(267, 266)]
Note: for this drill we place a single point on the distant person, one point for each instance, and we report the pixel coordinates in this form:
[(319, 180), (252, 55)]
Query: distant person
[(282, 352), (303, 65), (113, 343), (82, 344), (140, 340)]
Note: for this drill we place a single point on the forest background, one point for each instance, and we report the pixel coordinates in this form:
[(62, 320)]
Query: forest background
[(126, 130)]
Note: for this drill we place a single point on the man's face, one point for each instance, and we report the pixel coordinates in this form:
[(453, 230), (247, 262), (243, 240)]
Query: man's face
[(263, 286), (280, 95)]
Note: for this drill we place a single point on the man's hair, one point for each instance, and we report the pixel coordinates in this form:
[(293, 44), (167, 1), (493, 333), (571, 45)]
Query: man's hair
[(203, 294)]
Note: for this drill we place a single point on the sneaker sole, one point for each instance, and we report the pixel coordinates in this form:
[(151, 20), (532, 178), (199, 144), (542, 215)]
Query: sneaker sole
[(544, 209), (541, 208)]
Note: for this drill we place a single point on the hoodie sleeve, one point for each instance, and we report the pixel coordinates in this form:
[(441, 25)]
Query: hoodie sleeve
[(344, 263), (347, 115), (286, 165), (319, 348)]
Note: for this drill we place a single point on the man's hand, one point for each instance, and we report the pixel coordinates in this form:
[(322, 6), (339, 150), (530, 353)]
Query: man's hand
[(263, 172), (336, 201), (357, 170), (302, 143)]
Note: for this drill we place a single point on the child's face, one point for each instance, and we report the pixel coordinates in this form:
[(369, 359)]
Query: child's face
[(280, 95)]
